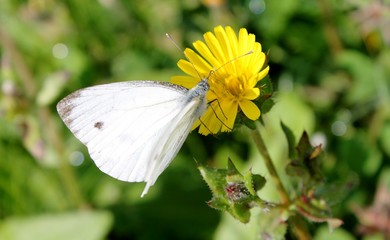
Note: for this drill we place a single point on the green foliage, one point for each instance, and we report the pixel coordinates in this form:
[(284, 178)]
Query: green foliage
[(237, 194), (64, 226), (330, 70)]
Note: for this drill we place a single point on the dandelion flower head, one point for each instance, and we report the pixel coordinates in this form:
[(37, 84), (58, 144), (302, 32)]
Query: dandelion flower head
[(234, 65)]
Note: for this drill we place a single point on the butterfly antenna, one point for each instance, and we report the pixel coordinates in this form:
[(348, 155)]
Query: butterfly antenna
[(174, 42), (228, 62), (181, 50)]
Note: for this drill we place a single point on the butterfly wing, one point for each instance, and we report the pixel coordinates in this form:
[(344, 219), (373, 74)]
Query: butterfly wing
[(173, 137), (128, 126)]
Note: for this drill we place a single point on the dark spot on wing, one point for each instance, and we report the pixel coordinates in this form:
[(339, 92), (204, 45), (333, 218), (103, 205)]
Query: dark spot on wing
[(65, 107), (99, 125)]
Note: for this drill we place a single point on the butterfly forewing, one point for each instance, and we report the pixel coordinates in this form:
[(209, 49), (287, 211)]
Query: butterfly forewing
[(123, 124)]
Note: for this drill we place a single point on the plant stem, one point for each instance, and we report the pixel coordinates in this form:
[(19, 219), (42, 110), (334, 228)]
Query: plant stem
[(44, 116), (20, 65), (298, 227), (66, 172), (270, 166), (330, 29)]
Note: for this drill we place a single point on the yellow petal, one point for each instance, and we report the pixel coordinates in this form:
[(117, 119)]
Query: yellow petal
[(252, 93), (249, 109), (211, 96), (204, 50), (196, 124), (242, 40), (185, 81), (257, 59), (263, 73), (223, 40), (187, 67), (198, 63), (209, 123), (233, 41), (229, 109), (215, 47), (251, 42), (246, 44)]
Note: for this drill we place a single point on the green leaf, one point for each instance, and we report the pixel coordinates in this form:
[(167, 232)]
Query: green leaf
[(338, 190), (76, 225), (292, 153), (323, 233), (385, 138), (359, 149), (271, 225), (265, 102), (306, 165), (247, 122), (52, 87), (266, 88), (267, 105), (316, 210), (366, 75)]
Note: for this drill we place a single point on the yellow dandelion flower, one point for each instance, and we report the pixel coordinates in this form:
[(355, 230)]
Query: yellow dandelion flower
[(233, 76)]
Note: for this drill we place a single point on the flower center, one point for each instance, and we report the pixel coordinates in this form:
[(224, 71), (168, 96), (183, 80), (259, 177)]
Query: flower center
[(229, 86), (235, 85)]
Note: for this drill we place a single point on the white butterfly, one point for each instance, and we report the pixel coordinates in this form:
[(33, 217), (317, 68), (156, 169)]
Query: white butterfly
[(134, 129)]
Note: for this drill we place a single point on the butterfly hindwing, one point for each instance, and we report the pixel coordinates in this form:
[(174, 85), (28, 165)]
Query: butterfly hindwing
[(173, 138)]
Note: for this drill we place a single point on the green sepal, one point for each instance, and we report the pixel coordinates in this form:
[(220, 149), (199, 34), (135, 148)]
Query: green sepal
[(254, 182), (233, 192)]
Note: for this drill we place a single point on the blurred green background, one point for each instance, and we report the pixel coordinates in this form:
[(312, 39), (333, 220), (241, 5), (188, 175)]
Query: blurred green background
[(330, 65)]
